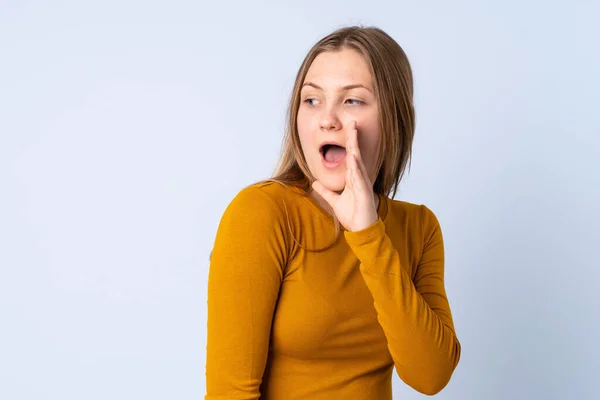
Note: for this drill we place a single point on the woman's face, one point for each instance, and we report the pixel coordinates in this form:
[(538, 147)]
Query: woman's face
[(337, 90)]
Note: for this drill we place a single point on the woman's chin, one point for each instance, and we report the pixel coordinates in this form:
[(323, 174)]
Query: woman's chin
[(334, 185)]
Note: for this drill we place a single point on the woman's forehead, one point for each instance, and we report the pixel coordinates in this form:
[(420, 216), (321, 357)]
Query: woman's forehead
[(338, 69)]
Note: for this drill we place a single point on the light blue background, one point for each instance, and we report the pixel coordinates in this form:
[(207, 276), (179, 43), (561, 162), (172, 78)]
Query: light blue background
[(126, 127)]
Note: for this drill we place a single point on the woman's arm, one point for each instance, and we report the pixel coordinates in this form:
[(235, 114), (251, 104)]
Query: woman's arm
[(246, 271), (415, 317)]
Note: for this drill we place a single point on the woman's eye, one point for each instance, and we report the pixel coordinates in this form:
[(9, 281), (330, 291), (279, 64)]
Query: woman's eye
[(313, 102), (357, 101)]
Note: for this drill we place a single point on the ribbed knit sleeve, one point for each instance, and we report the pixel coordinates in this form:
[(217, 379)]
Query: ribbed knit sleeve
[(245, 275), (415, 315)]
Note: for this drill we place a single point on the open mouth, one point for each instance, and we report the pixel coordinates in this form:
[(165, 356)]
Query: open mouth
[(333, 153)]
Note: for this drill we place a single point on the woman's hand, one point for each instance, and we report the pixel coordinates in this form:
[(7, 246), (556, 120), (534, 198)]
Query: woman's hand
[(355, 207)]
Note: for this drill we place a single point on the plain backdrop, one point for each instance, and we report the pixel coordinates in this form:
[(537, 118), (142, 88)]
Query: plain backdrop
[(126, 127)]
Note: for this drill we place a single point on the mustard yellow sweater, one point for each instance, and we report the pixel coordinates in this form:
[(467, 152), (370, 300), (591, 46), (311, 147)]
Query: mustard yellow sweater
[(286, 323)]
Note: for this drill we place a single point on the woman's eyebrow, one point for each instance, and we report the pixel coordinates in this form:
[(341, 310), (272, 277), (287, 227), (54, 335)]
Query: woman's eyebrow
[(347, 87)]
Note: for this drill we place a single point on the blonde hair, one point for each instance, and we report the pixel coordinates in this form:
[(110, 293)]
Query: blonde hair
[(393, 84)]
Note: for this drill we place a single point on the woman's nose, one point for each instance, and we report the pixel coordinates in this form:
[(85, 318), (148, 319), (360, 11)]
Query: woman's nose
[(330, 119)]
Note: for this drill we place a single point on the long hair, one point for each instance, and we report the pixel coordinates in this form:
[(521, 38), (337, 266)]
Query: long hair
[(393, 84)]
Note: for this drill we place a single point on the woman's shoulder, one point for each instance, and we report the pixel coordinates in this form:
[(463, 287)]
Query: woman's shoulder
[(268, 189), (254, 214), (275, 188), (414, 213), (263, 199)]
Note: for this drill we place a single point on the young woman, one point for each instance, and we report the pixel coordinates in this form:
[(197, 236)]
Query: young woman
[(320, 283)]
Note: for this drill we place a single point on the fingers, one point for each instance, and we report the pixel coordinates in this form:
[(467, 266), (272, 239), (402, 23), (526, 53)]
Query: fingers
[(352, 139), (353, 148), (349, 171), (358, 180)]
